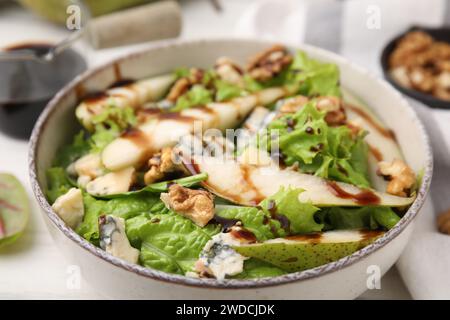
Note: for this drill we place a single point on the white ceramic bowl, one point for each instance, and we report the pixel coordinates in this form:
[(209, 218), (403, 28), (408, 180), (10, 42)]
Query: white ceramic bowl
[(343, 279)]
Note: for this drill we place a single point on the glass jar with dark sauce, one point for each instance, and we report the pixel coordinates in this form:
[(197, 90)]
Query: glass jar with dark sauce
[(27, 85)]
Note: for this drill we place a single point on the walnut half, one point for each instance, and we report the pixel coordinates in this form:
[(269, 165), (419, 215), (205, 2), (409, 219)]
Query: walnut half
[(196, 205), (292, 105), (335, 111), (182, 85), (160, 165), (401, 177), (229, 71), (269, 63)]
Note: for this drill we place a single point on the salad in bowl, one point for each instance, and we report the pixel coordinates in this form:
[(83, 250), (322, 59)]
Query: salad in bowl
[(231, 172)]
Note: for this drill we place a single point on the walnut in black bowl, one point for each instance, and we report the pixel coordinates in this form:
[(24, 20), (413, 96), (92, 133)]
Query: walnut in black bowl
[(417, 63)]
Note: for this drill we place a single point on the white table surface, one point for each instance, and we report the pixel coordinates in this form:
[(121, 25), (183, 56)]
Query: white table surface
[(33, 268)]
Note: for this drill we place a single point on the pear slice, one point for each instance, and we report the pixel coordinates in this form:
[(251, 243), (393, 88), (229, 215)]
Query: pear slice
[(381, 140), (304, 252), (14, 208), (132, 95), (249, 184), (164, 129)]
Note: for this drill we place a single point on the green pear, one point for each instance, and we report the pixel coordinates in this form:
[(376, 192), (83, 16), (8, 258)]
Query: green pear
[(304, 252), (14, 208), (55, 10), (249, 184)]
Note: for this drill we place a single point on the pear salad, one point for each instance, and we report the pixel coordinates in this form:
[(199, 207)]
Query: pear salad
[(310, 175)]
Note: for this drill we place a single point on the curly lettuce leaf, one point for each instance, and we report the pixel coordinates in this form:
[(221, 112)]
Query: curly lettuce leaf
[(300, 215), (121, 117), (329, 152), (316, 78), (310, 76), (358, 218), (168, 241), (196, 96), (109, 125), (294, 141)]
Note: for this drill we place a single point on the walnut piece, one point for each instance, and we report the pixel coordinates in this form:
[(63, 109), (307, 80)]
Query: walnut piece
[(443, 222), (411, 43), (421, 79), (229, 71), (184, 84), (196, 205), (294, 104), (159, 166), (442, 93), (421, 63), (401, 177), (401, 75), (335, 112), (269, 63)]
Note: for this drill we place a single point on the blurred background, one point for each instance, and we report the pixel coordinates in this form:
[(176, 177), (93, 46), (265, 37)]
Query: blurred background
[(71, 36)]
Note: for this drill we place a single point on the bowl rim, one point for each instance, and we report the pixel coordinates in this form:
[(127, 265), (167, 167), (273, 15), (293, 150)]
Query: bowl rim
[(228, 283)]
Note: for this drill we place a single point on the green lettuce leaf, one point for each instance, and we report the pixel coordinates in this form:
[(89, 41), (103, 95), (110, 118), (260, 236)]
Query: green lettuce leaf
[(68, 154), (317, 78), (255, 220), (310, 76), (57, 183), (300, 215), (196, 96), (329, 152), (227, 91), (168, 241), (109, 125), (268, 220), (126, 208), (102, 137), (358, 218), (295, 142), (123, 118), (349, 156), (282, 79), (181, 73)]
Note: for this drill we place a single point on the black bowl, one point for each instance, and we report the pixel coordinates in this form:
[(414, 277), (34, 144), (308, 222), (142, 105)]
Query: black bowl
[(439, 34)]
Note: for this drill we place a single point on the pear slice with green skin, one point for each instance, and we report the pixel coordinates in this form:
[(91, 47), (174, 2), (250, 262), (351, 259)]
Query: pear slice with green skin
[(249, 184), (14, 209), (304, 252)]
